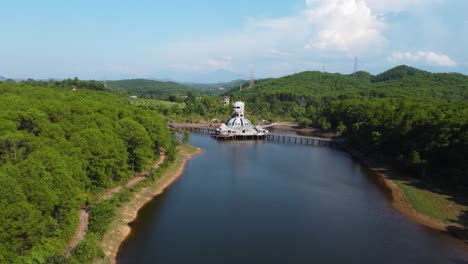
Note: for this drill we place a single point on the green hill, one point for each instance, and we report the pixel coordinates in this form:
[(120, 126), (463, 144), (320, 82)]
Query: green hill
[(399, 82), (398, 73), (148, 88), (417, 119)]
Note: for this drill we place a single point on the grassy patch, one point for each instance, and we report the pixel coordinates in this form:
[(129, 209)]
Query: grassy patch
[(436, 205)]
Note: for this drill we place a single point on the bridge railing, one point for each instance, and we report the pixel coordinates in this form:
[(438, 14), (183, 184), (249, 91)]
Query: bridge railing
[(296, 139)]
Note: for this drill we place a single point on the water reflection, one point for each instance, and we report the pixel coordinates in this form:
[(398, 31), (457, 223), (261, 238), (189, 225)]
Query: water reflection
[(265, 202)]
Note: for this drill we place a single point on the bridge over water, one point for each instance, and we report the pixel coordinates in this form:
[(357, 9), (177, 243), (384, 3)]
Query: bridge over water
[(276, 137)]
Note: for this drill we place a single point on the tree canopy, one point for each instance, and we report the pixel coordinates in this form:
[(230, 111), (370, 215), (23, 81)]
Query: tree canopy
[(59, 147)]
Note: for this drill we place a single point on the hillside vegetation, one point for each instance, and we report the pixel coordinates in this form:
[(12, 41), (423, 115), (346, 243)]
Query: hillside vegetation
[(213, 88), (417, 119), (58, 148), (149, 88)]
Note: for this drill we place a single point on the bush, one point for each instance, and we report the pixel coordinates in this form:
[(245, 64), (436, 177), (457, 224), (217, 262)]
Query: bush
[(87, 250), (100, 216)]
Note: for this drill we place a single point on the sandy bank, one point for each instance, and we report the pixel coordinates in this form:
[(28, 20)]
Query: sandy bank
[(401, 202), (119, 228)]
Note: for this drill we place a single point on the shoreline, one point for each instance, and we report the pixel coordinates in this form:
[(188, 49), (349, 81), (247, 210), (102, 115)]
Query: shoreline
[(83, 219), (402, 204), (307, 131), (119, 228), (400, 200)]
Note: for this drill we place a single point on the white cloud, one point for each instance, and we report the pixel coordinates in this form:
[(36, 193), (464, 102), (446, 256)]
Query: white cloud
[(220, 63), (384, 6), (428, 57), (344, 25), (274, 53), (338, 27), (325, 30)]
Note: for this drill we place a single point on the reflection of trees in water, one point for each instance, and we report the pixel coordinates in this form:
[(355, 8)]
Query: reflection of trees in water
[(239, 153)]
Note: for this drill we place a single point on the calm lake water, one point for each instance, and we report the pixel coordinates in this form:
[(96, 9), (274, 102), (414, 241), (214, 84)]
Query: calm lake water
[(264, 202)]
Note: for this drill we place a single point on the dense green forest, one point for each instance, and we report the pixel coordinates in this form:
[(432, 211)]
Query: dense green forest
[(290, 96), (74, 83), (191, 108), (170, 91), (417, 119), (58, 149), (149, 88)]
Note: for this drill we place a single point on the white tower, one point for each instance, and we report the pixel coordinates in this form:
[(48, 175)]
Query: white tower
[(238, 109)]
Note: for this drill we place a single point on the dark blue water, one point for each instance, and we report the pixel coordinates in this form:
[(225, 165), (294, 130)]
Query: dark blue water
[(263, 202)]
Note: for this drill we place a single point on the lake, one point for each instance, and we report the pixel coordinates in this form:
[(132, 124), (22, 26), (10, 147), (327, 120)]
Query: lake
[(265, 202)]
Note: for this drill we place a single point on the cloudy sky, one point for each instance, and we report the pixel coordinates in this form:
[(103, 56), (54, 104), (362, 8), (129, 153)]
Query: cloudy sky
[(164, 39)]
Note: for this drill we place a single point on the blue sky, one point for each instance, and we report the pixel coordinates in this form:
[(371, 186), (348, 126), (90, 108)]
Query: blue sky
[(173, 39)]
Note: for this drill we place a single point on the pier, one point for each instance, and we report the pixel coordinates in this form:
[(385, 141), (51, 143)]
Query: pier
[(282, 138), (297, 139), (197, 128)]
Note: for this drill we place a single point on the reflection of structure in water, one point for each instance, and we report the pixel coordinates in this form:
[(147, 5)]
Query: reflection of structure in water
[(239, 126)]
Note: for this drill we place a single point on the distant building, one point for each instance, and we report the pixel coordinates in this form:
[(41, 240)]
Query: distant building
[(74, 88), (226, 100), (221, 88), (238, 125), (133, 97)]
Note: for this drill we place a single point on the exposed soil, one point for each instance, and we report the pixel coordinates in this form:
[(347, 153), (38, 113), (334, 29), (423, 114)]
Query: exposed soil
[(80, 232), (402, 204), (120, 229), (83, 221), (133, 181)]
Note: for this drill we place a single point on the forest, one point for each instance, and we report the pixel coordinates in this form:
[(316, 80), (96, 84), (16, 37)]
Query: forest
[(74, 83), (149, 88), (58, 149)]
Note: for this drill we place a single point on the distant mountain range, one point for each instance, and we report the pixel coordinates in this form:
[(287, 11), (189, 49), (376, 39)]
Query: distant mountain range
[(150, 88), (214, 77), (219, 86), (2, 78)]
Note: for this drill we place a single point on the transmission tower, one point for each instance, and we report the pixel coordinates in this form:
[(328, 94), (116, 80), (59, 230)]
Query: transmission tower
[(252, 79)]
